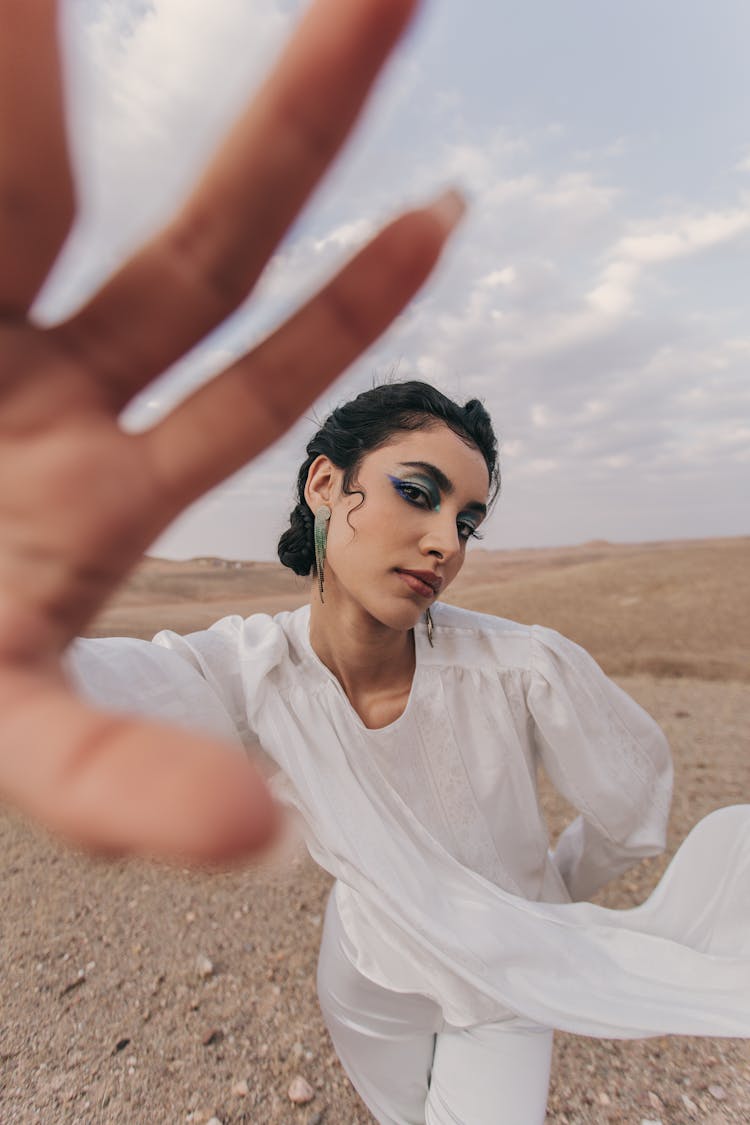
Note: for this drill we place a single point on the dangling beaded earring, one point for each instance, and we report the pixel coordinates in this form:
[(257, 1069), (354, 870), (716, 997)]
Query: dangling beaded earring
[(320, 536), (428, 622)]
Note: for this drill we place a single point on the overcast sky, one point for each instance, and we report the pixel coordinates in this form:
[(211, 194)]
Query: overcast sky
[(596, 299)]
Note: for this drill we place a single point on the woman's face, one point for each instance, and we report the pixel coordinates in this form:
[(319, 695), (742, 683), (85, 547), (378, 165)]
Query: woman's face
[(425, 495)]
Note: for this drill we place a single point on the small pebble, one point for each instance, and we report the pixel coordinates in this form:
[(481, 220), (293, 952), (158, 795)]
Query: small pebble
[(717, 1092), (204, 966), (654, 1100), (241, 1089), (603, 1099), (300, 1092), (651, 1121)]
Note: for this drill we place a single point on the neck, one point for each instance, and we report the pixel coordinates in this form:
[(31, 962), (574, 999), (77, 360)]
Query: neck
[(367, 657)]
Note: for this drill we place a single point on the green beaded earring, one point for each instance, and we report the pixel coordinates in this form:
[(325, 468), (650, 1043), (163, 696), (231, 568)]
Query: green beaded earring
[(320, 535)]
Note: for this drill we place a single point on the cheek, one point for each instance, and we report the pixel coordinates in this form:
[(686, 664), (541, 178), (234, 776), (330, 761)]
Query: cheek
[(350, 538), (370, 521), (364, 534), (340, 538), (455, 566)]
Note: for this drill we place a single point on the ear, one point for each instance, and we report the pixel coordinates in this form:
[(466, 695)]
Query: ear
[(322, 482)]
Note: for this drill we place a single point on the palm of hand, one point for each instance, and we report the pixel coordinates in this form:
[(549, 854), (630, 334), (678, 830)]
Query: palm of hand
[(80, 499), (79, 502)]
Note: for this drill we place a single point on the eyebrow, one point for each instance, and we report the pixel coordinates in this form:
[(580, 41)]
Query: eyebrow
[(444, 483)]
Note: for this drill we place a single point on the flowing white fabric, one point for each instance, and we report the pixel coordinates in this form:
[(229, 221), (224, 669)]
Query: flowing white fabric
[(432, 825)]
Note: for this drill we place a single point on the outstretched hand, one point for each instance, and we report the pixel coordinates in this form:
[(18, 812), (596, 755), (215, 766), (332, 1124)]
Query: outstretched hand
[(80, 499)]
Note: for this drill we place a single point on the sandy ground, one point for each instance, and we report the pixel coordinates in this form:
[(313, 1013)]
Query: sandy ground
[(136, 994)]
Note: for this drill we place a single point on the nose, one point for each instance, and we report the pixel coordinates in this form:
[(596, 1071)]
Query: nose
[(441, 539)]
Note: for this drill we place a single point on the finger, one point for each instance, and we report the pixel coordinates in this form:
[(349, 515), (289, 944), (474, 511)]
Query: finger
[(36, 188), (124, 786), (193, 274), (224, 424)]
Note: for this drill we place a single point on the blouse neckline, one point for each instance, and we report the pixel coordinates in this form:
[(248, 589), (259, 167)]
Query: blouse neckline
[(420, 639)]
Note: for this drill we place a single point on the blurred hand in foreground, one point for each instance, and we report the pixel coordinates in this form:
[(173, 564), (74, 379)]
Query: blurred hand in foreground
[(80, 499)]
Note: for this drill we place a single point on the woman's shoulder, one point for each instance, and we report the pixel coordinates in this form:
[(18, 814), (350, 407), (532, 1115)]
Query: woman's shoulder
[(259, 630), (466, 638), (254, 646)]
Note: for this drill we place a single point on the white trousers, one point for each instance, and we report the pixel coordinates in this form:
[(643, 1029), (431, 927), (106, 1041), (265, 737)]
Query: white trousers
[(410, 1067)]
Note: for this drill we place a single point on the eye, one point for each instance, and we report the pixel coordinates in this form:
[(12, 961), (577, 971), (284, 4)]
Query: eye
[(467, 530), (414, 493)]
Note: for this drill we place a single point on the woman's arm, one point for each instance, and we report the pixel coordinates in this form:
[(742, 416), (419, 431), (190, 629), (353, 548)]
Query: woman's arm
[(144, 679), (212, 680), (606, 756)]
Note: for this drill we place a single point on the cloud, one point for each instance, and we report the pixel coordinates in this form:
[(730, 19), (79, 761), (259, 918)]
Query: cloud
[(613, 294), (678, 237), (345, 236)]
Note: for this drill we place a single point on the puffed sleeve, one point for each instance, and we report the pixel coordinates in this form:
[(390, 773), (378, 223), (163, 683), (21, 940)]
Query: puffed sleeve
[(606, 756), (211, 680)]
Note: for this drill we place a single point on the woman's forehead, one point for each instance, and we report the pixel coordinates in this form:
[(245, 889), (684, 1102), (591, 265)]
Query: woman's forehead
[(459, 460)]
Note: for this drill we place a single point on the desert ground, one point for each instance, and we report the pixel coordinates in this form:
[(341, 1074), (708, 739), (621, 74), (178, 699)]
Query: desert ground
[(132, 993)]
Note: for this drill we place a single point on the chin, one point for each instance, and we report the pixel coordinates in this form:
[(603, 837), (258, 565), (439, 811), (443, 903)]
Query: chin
[(401, 617)]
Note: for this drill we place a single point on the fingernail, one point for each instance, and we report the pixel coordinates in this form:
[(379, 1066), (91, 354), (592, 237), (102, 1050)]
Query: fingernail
[(449, 208)]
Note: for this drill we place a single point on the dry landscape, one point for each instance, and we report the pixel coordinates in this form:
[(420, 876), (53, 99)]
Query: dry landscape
[(134, 994)]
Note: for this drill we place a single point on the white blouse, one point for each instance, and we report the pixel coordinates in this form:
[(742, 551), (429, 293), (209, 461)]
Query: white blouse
[(433, 829)]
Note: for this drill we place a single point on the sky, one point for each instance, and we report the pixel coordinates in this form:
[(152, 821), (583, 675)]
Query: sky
[(596, 298)]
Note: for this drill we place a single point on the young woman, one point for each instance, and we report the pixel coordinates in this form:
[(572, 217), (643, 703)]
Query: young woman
[(408, 743), (408, 735)]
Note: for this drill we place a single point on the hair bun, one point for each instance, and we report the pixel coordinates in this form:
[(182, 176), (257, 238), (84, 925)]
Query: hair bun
[(297, 545)]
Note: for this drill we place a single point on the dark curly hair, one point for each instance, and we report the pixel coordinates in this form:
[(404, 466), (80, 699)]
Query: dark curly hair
[(368, 422)]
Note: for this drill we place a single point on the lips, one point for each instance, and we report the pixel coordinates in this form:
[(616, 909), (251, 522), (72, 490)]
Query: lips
[(423, 582)]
